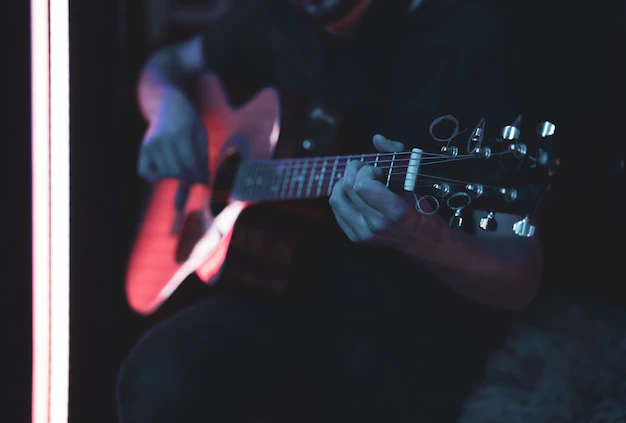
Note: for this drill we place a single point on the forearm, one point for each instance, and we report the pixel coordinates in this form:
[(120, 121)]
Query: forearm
[(501, 273), (160, 75), (169, 72)]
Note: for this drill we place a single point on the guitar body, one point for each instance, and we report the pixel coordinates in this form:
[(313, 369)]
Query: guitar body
[(259, 241)]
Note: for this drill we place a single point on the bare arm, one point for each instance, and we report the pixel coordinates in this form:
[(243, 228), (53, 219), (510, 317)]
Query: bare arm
[(498, 268), (495, 268), (167, 72), (234, 41), (175, 144)]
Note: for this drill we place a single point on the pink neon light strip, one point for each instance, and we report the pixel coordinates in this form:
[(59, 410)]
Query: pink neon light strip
[(41, 210), (50, 159)]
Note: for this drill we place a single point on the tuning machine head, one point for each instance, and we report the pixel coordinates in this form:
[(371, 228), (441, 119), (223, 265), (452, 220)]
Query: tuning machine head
[(509, 194), (456, 221), (524, 228), (442, 189), (475, 190), (518, 149), (546, 129), (482, 152), (512, 132), (451, 151), (488, 223)]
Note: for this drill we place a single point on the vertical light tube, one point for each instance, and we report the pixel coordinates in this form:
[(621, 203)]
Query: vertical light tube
[(59, 209), (40, 92), (51, 197)]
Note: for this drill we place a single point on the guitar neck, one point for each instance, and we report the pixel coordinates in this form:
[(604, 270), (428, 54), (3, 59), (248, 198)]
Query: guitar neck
[(315, 177)]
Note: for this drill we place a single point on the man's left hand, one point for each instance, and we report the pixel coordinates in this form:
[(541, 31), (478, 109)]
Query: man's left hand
[(367, 210)]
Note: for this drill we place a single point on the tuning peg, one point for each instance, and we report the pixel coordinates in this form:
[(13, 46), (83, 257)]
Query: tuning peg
[(512, 132), (518, 150), (456, 221), (509, 194), (546, 129), (488, 223), (482, 152), (442, 189), (476, 190), (524, 228), (450, 151), (477, 134)]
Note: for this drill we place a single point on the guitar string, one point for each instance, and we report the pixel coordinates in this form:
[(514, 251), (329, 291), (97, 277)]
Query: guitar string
[(310, 195), (307, 163), (425, 181), (362, 157), (307, 177), (300, 180), (346, 157), (296, 175)]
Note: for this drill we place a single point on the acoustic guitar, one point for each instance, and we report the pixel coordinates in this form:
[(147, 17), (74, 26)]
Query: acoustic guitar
[(221, 233)]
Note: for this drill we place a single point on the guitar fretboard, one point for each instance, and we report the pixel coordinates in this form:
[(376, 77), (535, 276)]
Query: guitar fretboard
[(308, 178)]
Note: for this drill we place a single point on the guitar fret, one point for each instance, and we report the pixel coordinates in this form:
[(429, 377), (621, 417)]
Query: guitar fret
[(294, 179), (332, 176), (301, 179), (274, 188), (311, 178), (320, 181), (267, 181), (285, 182), (393, 159)]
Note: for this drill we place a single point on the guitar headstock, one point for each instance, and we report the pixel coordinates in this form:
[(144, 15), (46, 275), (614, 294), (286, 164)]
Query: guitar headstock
[(508, 173)]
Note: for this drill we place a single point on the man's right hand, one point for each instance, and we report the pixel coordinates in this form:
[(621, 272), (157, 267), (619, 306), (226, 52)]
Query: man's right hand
[(175, 145)]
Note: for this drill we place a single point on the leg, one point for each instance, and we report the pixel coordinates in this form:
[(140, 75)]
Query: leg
[(351, 311), (222, 360), (438, 343), (402, 347)]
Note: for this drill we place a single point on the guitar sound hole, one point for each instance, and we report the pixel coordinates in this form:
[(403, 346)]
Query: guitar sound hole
[(223, 183)]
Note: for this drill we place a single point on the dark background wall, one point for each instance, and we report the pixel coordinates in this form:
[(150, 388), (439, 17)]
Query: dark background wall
[(110, 40), (15, 235), (107, 49)]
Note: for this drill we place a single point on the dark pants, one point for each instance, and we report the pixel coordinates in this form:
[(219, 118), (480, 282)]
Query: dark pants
[(369, 345)]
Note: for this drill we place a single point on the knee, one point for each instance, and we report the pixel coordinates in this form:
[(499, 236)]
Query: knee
[(201, 355), (147, 389)]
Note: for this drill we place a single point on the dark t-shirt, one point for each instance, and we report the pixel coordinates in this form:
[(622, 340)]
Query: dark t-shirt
[(447, 57), (399, 73)]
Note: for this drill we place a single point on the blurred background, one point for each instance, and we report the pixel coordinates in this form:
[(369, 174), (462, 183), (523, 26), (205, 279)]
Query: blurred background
[(584, 58)]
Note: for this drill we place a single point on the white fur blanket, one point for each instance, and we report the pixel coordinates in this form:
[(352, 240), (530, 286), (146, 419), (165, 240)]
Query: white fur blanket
[(563, 366)]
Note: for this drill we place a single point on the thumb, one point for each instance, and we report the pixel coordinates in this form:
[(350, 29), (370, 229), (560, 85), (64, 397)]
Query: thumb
[(385, 145)]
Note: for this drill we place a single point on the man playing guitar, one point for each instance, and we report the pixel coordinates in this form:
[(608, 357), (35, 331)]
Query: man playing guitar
[(403, 307)]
